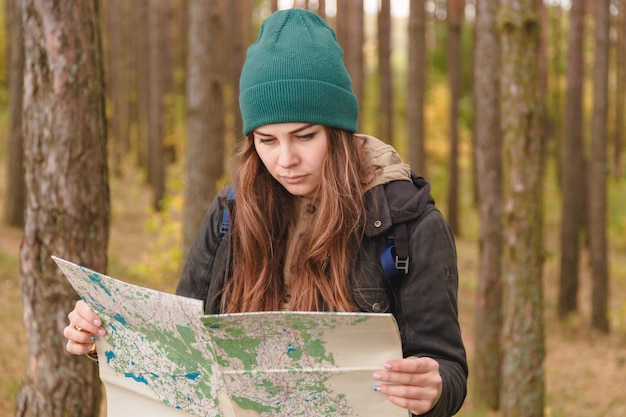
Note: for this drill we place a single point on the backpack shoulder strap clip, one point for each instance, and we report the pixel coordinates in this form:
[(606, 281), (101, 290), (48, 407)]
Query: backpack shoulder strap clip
[(225, 222)]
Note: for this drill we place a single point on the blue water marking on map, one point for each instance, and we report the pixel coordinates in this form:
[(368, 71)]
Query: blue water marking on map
[(193, 375), (214, 326), (138, 378), (110, 355), (119, 318), (291, 349), (97, 279)]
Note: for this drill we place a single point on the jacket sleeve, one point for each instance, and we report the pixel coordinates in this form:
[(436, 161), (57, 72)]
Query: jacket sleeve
[(196, 276), (427, 311)]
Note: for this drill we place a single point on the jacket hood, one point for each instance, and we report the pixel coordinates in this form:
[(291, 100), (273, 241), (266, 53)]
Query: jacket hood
[(397, 194), (386, 158)]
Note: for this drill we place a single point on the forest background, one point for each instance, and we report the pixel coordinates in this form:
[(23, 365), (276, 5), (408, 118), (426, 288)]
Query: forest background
[(585, 363)]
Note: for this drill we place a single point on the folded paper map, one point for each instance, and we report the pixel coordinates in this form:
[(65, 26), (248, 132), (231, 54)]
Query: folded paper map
[(162, 356)]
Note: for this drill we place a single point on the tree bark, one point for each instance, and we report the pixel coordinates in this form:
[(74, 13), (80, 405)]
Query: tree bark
[(355, 37), (385, 76), (321, 8), (523, 344), (159, 58), (572, 163), (16, 187), (620, 93), (488, 141), (598, 170), (205, 115), (416, 86), (67, 212), (454, 19), (555, 17), (142, 69), (118, 88), (240, 38)]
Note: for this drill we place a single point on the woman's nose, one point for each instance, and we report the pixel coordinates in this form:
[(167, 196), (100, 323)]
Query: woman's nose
[(287, 157)]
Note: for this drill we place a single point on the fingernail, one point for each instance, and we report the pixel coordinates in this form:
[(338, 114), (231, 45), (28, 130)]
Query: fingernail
[(377, 376), (102, 332), (92, 338), (377, 388), (387, 366), (97, 322)]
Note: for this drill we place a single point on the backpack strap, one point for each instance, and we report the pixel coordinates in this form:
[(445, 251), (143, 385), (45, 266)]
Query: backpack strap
[(395, 258), (225, 222)]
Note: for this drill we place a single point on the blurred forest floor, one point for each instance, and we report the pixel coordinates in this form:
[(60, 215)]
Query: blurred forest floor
[(585, 370)]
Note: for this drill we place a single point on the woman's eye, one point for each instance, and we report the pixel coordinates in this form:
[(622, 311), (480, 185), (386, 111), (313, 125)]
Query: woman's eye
[(265, 141), (307, 136)]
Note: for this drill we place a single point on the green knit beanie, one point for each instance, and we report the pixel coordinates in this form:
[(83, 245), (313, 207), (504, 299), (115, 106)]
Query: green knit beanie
[(294, 73)]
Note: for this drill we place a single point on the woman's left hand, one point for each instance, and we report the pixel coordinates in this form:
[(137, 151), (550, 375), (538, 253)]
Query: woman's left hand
[(412, 383)]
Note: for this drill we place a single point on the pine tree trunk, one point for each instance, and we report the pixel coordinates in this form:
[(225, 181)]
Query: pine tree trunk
[(523, 344), (353, 49), (620, 93), (159, 59), (16, 188), (67, 211), (572, 162), (488, 140), (385, 76), (454, 19), (142, 71), (598, 170), (205, 115), (240, 38), (416, 86)]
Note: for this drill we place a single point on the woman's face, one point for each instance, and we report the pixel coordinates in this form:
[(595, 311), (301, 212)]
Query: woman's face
[(293, 153)]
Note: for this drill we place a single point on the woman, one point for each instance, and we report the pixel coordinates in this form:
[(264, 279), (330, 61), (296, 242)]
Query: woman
[(312, 207)]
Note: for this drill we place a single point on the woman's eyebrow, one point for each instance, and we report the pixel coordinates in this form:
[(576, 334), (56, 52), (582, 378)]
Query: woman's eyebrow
[(258, 132)]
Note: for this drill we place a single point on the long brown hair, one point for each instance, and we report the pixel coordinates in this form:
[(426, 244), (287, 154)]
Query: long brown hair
[(261, 220)]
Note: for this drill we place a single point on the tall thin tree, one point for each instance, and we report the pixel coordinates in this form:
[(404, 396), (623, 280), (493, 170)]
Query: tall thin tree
[(455, 13), (205, 115), (240, 11), (141, 72), (159, 58), (67, 211), (620, 92), (118, 88), (488, 148), (523, 344), (385, 101), (572, 162), (416, 86), (598, 170), (555, 98), (355, 37), (15, 200)]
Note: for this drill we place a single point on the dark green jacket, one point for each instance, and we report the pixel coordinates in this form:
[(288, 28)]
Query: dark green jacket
[(424, 301)]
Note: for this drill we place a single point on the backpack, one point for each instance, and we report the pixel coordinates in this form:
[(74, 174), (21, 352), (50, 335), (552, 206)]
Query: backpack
[(394, 260)]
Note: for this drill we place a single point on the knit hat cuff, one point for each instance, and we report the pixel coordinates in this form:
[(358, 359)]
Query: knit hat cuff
[(298, 101)]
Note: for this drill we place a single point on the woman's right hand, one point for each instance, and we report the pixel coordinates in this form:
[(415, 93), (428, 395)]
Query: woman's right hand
[(84, 327)]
